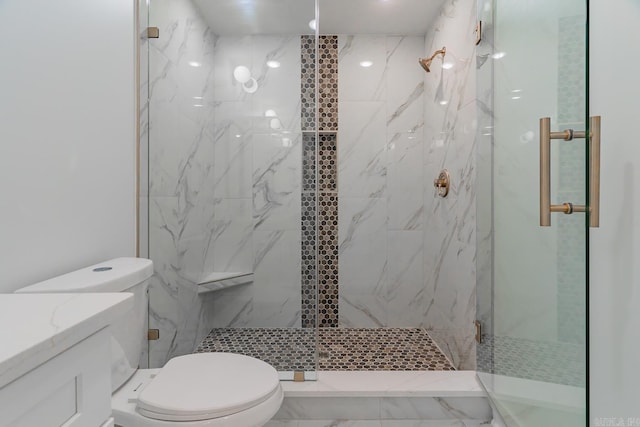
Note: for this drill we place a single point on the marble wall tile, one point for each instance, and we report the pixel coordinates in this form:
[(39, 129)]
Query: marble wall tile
[(405, 85), (232, 156), (229, 53), (362, 246), (357, 82), (450, 223), (277, 178), (231, 246), (405, 180), (279, 88), (362, 154), (404, 293)]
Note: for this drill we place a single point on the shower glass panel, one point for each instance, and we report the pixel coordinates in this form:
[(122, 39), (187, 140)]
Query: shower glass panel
[(229, 93), (532, 280), (396, 262)]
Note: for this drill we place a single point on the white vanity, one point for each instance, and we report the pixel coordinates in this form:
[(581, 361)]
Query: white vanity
[(55, 358)]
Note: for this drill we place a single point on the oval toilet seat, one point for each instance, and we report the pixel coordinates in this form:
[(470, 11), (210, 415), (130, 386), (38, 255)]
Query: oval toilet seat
[(207, 385)]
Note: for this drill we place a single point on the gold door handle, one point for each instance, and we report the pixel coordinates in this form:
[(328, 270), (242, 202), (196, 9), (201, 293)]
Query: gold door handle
[(546, 208)]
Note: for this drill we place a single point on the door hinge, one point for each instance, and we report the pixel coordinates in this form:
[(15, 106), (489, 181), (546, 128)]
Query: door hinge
[(478, 331), (153, 334), (153, 32)]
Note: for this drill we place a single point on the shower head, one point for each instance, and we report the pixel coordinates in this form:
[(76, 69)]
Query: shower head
[(426, 62)]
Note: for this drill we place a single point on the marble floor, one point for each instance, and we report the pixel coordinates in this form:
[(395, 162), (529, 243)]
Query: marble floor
[(339, 349)]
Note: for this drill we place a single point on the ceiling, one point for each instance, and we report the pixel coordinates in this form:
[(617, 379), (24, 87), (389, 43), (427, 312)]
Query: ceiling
[(243, 17)]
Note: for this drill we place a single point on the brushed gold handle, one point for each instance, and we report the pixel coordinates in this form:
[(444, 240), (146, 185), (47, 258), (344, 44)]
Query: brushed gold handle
[(546, 208)]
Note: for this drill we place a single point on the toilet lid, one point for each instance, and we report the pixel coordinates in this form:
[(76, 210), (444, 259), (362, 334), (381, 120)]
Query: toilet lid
[(207, 385)]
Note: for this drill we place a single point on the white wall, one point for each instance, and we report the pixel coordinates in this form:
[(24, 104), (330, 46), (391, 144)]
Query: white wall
[(67, 136), (615, 246)]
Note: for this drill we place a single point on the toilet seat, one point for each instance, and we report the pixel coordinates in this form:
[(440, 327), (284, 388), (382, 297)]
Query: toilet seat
[(205, 389)]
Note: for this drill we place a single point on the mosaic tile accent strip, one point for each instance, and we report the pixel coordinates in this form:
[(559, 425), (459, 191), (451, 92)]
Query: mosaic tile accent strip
[(308, 162), (340, 349), (308, 253), (328, 259), (327, 163), (328, 82), (308, 82), (552, 362)]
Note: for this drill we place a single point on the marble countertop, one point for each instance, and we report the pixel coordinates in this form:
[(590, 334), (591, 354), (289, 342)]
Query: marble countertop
[(36, 327)]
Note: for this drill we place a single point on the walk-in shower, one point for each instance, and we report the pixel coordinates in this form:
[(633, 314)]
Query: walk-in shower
[(289, 154), (290, 205)]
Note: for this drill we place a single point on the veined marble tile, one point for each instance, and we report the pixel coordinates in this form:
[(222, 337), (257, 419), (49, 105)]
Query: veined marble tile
[(405, 85), (405, 181), (451, 129), (359, 408), (358, 82), (232, 243), (278, 88), (277, 181), (405, 288), (362, 241), (361, 310), (362, 154), (229, 53), (232, 156), (436, 408), (277, 297)]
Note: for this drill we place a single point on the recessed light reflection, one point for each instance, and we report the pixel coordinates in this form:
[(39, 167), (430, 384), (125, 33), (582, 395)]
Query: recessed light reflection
[(273, 64), (498, 55), (312, 24), (515, 97), (270, 113), (516, 91), (198, 105), (366, 64), (447, 65), (443, 102), (238, 136), (241, 74), (194, 64), (197, 97)]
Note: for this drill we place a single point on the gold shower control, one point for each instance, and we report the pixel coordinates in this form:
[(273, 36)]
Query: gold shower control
[(442, 183)]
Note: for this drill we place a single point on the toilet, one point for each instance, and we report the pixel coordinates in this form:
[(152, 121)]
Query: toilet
[(196, 390)]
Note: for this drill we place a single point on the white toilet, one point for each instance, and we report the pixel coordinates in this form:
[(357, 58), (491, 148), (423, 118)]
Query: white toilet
[(196, 390)]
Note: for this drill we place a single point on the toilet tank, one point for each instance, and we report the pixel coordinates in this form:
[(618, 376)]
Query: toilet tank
[(129, 333)]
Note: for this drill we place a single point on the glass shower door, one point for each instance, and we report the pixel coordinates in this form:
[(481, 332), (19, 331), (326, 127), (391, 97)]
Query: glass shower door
[(532, 281)]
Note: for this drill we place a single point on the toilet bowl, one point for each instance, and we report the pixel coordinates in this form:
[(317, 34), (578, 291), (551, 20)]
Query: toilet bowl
[(187, 393), (195, 390)]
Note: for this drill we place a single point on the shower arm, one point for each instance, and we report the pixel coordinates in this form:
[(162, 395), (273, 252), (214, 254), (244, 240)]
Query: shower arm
[(442, 51)]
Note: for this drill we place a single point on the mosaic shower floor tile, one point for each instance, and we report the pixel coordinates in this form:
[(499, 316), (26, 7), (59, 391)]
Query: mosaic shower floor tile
[(340, 349)]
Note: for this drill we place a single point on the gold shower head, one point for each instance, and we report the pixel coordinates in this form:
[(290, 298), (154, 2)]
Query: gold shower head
[(426, 62)]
